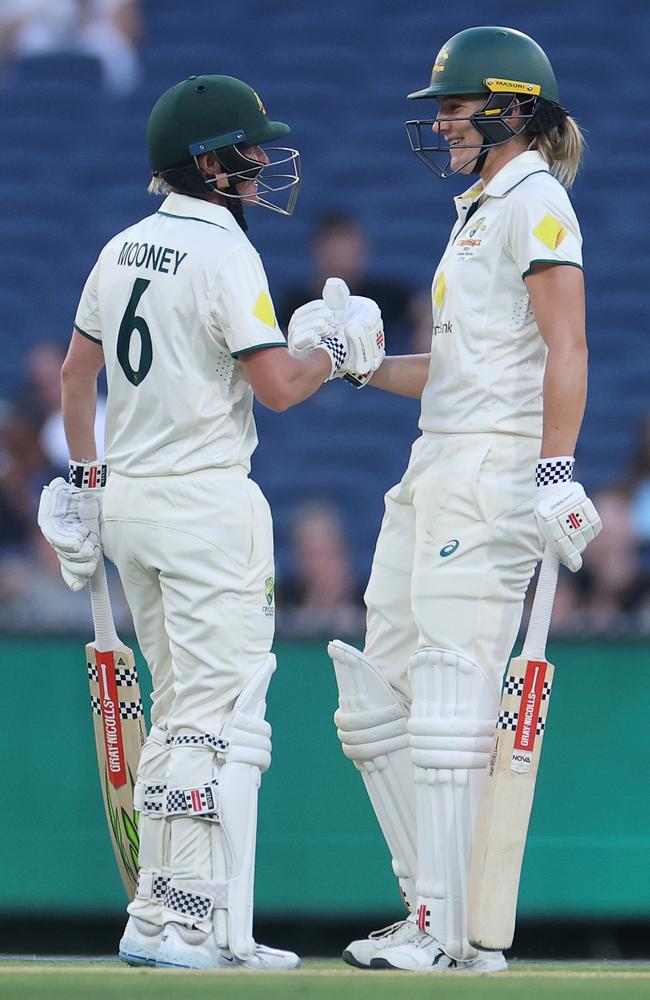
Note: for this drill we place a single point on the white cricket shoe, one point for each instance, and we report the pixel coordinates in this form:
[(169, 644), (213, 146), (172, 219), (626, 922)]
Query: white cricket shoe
[(361, 953), (422, 953), (140, 942), (183, 948)]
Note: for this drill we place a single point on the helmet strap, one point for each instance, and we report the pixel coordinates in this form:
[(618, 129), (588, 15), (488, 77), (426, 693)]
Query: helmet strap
[(481, 158), (490, 122), (237, 168)]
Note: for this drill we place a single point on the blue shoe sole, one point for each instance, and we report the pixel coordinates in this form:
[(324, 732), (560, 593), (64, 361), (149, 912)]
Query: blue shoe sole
[(134, 960)]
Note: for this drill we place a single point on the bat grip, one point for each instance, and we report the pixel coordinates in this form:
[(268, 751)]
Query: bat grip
[(540, 615), (106, 637)]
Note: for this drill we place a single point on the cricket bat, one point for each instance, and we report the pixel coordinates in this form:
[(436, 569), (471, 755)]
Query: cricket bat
[(504, 810), (118, 719)]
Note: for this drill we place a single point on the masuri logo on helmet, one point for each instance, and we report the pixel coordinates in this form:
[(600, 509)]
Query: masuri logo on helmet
[(501, 63)]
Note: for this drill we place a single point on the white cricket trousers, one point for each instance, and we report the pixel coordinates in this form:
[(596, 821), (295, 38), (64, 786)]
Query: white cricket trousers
[(195, 557), (456, 551)]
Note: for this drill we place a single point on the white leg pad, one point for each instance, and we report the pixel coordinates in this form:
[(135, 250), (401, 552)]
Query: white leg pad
[(153, 855), (451, 729), (248, 756), (372, 727), (214, 853)]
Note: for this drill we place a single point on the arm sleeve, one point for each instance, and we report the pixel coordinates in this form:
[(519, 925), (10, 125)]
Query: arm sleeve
[(543, 229), (86, 321), (242, 307)]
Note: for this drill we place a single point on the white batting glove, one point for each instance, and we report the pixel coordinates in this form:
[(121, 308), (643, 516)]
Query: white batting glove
[(309, 325), (566, 518), (77, 545), (353, 336)]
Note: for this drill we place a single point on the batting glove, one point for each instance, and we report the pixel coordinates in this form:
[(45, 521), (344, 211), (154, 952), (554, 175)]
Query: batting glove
[(353, 338), (77, 545), (309, 325), (566, 518)]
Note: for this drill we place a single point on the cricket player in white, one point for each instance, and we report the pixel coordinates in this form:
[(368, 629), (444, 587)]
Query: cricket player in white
[(178, 310), (488, 484)]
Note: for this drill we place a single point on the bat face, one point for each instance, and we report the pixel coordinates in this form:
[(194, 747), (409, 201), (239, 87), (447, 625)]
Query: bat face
[(118, 721), (504, 813)]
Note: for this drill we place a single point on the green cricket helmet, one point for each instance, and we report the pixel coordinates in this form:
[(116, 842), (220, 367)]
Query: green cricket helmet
[(506, 66), (221, 114)]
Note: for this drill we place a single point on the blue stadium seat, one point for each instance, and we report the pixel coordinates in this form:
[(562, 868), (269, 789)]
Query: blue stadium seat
[(74, 171)]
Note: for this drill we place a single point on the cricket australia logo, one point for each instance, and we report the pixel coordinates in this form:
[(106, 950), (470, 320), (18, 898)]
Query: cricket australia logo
[(468, 246), (269, 591)]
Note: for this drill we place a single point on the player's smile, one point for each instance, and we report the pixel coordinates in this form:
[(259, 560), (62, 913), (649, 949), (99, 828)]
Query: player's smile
[(453, 125)]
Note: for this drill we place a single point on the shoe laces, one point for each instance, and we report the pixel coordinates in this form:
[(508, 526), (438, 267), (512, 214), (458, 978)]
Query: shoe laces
[(391, 930)]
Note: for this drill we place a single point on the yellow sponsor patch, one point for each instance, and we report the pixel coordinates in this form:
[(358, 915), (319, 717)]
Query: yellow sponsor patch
[(512, 86), (439, 290), (550, 231), (263, 309)]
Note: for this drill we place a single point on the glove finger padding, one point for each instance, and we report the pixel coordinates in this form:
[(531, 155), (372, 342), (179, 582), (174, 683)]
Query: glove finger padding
[(309, 325), (567, 521)]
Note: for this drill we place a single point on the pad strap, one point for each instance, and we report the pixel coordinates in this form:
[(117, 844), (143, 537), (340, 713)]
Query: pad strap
[(214, 743), (149, 799), (200, 801), (152, 886), (188, 901)]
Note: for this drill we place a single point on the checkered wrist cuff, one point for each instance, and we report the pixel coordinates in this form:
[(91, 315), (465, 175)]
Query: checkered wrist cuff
[(337, 351), (87, 475), (553, 471)]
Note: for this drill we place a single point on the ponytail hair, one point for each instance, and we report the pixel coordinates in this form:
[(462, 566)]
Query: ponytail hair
[(562, 146)]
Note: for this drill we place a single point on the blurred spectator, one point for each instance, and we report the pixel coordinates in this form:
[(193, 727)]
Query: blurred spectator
[(21, 467), (340, 249), (320, 597), (40, 397), (613, 582), (637, 483), (108, 30), (611, 593), (34, 598), (40, 400)]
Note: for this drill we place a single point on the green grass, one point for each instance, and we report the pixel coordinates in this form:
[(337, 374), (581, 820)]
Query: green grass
[(318, 979)]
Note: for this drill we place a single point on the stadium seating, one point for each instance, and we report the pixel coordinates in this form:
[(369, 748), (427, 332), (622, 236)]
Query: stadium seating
[(73, 171)]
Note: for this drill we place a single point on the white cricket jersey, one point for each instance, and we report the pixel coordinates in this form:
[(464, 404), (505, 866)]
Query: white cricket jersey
[(174, 301), (488, 356)]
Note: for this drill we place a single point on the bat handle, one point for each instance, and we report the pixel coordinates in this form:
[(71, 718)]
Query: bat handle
[(106, 637), (540, 615)]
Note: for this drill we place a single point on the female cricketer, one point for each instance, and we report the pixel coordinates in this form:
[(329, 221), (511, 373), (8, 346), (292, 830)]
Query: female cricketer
[(488, 485), (177, 308)]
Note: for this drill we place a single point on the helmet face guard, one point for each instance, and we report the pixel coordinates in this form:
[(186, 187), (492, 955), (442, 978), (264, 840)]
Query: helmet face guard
[(489, 121), (281, 176)]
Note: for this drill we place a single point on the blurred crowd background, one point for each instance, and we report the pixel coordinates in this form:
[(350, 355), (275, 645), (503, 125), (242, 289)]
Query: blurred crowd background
[(77, 81)]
